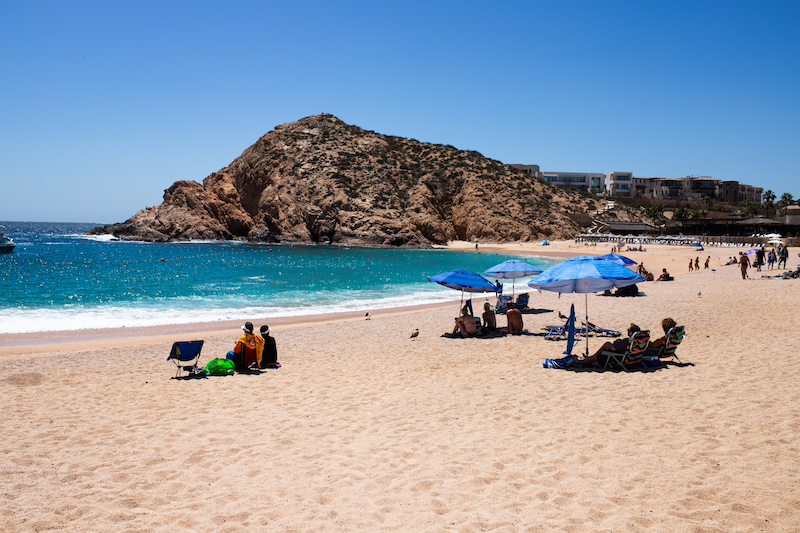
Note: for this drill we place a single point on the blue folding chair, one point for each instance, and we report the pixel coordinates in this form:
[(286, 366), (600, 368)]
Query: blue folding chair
[(522, 301), (502, 303), (185, 355)]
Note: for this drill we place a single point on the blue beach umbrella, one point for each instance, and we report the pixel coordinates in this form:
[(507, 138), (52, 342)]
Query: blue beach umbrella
[(464, 281), (618, 259), (512, 269), (584, 274)]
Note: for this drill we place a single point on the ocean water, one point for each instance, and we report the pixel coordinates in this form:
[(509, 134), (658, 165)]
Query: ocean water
[(59, 279)]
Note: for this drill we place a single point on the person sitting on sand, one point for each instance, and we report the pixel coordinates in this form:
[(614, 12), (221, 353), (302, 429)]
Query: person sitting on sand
[(666, 324), (247, 351), (489, 318), (617, 346), (664, 275), (465, 324), (514, 317), (269, 358)]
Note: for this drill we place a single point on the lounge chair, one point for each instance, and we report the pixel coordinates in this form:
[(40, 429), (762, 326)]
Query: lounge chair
[(522, 301), (186, 355), (502, 303), (673, 338), (600, 332), (637, 347)]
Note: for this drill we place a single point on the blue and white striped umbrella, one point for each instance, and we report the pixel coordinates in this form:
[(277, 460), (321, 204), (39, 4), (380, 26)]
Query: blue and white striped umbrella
[(584, 274), (512, 269), (618, 259)]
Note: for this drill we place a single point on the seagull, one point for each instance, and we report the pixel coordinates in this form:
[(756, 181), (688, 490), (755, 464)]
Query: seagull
[(561, 316), (367, 316), (415, 334)]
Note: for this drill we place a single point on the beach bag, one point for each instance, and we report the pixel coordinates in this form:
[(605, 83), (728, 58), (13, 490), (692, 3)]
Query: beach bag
[(219, 367)]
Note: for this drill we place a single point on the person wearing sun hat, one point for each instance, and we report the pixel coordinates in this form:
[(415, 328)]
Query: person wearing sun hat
[(247, 351), (270, 353)]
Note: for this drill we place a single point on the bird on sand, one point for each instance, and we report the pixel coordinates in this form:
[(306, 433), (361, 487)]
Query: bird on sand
[(367, 316), (561, 316), (415, 334)]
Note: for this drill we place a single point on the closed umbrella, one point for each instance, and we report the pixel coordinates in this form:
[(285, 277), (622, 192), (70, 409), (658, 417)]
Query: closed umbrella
[(584, 274), (512, 269)]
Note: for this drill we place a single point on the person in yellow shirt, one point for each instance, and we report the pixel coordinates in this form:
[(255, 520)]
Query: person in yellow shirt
[(246, 353)]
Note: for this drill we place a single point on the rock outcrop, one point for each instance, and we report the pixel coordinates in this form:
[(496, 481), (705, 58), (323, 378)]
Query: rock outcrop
[(319, 180)]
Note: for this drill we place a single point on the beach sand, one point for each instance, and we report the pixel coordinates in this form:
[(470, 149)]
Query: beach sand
[(364, 429)]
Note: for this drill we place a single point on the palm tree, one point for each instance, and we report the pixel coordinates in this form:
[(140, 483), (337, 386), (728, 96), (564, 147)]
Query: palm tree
[(748, 209), (786, 199), (768, 200)]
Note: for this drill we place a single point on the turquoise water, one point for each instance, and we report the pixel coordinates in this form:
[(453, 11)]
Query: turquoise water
[(59, 279)]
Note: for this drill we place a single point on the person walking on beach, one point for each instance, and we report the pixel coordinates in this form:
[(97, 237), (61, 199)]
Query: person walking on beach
[(707, 260), (744, 262), (697, 263), (691, 264), (760, 258), (783, 255)]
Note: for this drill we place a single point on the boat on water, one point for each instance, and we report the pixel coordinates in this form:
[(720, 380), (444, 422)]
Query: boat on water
[(7, 244)]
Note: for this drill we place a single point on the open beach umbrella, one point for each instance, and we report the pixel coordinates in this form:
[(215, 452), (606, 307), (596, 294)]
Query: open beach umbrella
[(464, 281), (512, 269), (584, 274), (751, 251), (618, 259)]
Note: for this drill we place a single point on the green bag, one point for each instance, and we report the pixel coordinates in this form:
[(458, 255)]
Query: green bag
[(219, 367)]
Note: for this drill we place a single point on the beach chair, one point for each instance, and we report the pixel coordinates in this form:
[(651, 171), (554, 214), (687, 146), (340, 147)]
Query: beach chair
[(600, 332), (522, 301), (502, 303), (186, 355), (673, 339), (637, 347)]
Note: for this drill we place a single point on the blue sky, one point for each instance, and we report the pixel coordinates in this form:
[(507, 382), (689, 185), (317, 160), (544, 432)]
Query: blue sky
[(103, 105)]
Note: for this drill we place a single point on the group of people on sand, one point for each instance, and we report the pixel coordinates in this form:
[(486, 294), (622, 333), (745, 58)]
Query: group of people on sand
[(253, 351), (695, 265), (622, 248), (618, 346), (772, 258), (468, 326)]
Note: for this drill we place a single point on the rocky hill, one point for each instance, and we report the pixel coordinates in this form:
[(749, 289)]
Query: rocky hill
[(319, 180)]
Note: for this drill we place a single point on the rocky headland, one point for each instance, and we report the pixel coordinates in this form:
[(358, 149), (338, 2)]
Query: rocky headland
[(319, 180)]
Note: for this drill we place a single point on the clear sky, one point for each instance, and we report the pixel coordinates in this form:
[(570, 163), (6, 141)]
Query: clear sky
[(105, 104)]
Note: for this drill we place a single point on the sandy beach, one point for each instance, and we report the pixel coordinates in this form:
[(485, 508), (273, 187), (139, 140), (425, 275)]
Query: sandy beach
[(364, 429)]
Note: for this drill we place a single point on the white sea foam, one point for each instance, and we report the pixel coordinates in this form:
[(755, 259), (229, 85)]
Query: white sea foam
[(115, 316)]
